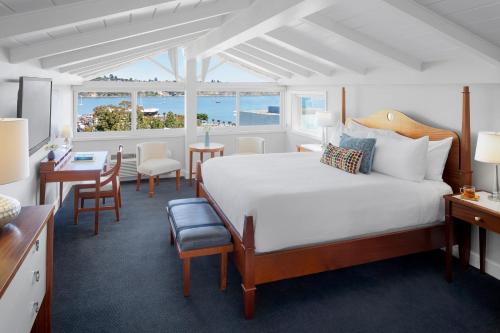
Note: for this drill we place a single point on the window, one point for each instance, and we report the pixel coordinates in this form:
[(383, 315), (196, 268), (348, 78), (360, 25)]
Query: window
[(305, 107), (160, 109), (217, 108), (104, 111), (259, 108)]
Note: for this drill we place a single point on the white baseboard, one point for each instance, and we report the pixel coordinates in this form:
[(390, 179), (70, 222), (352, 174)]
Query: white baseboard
[(492, 267)]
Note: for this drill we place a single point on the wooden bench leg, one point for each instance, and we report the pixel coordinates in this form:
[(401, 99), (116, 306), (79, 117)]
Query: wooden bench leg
[(185, 275), (223, 270)]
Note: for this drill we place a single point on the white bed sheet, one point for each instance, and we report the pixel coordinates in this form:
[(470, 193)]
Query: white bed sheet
[(296, 200)]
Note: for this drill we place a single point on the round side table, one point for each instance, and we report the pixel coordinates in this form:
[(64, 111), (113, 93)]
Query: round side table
[(200, 147)]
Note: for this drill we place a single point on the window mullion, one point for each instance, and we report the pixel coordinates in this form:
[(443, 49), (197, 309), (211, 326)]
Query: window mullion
[(237, 109), (134, 110)]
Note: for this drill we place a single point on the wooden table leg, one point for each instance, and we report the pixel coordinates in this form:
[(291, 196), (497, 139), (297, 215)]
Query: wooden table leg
[(190, 168), (482, 249), (212, 154), (201, 156), (449, 245), (465, 245), (97, 193), (61, 185), (43, 183), (221, 153)]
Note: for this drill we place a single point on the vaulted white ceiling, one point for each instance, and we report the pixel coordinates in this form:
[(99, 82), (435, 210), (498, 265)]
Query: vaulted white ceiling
[(283, 39)]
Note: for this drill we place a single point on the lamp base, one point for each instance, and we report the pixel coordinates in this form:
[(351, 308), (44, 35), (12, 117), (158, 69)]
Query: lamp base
[(494, 197), (9, 209)]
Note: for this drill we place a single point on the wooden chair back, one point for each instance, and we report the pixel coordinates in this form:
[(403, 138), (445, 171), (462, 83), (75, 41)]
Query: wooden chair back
[(112, 174)]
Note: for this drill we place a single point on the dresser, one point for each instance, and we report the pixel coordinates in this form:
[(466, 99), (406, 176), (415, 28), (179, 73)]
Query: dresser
[(26, 262)]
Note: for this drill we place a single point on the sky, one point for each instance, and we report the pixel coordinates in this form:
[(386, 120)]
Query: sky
[(146, 69)]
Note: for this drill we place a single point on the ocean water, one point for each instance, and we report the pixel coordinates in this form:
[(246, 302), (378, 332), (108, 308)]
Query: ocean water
[(216, 107)]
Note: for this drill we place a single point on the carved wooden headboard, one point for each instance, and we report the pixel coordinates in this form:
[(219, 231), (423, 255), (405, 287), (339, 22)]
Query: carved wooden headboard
[(457, 171)]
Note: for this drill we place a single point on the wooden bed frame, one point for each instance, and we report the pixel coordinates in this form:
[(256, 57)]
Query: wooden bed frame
[(259, 268)]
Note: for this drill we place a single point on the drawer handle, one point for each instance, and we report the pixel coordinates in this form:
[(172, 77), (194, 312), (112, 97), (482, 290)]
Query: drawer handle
[(37, 275), (37, 245), (36, 307), (478, 219)]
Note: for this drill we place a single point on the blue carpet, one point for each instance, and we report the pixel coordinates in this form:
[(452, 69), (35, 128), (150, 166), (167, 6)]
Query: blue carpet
[(128, 279)]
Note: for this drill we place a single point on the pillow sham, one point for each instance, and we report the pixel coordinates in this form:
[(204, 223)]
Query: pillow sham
[(437, 154), (367, 146), (353, 126), (405, 159), (348, 160), (336, 134)]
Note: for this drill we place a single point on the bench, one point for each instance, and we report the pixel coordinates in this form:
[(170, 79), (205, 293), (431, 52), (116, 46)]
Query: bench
[(197, 230)]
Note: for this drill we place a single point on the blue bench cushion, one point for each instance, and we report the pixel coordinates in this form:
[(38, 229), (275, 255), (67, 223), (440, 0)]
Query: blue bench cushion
[(196, 224)]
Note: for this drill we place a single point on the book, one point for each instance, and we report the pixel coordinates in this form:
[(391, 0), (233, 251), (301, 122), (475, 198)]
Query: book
[(83, 157)]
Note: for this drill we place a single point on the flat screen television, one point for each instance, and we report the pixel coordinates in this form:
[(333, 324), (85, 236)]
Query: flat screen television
[(34, 102)]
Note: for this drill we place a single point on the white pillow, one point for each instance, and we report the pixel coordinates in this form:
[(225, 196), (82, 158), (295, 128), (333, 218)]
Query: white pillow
[(336, 133), (405, 159), (356, 127), (437, 155)]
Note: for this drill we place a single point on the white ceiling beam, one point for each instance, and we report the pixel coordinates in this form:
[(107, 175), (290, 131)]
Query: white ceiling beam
[(291, 56), (273, 60), (256, 62), (174, 62), (368, 42), (69, 15), (205, 64), (261, 17), (112, 33), (247, 67), (302, 42), (129, 43), (479, 46)]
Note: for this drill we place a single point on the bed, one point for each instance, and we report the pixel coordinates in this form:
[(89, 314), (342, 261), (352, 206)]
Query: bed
[(291, 216)]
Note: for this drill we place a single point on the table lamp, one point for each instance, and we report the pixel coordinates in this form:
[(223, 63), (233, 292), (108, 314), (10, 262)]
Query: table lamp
[(324, 120), (14, 162), (67, 134), (488, 151)]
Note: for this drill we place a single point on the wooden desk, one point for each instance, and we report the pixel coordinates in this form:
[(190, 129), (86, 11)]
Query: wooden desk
[(26, 265), (201, 148), (483, 213), (65, 169)]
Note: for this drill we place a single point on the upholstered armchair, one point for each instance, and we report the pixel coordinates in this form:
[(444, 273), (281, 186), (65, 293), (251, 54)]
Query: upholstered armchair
[(250, 145), (153, 160)]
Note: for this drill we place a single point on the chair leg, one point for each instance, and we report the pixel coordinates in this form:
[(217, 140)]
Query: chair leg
[(120, 197), (158, 180), (75, 208), (185, 276), (117, 205), (151, 186), (138, 182), (178, 180), (223, 271)]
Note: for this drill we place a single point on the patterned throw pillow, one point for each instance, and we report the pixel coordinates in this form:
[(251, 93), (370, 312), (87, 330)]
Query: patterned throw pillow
[(341, 158)]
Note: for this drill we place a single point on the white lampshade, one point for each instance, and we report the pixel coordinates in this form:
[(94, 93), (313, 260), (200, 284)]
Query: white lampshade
[(488, 147), (14, 150), (66, 131), (325, 119)]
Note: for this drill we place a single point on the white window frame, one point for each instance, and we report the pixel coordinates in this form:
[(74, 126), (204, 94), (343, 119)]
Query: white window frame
[(293, 96), (135, 87)]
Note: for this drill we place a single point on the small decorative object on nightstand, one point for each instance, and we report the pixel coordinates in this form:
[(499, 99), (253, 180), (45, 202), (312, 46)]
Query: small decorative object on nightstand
[(484, 213), (488, 151), (14, 162)]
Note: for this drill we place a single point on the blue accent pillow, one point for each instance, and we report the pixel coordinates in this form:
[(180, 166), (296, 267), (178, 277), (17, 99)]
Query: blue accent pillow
[(367, 146)]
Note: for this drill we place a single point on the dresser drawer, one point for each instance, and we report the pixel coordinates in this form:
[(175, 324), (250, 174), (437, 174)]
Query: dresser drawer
[(480, 219), (20, 303)]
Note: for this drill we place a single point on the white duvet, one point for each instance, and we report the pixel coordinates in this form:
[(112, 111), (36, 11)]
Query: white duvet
[(296, 200)]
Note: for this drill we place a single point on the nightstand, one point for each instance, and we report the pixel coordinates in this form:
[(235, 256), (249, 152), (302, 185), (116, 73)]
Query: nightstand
[(309, 147), (483, 213)]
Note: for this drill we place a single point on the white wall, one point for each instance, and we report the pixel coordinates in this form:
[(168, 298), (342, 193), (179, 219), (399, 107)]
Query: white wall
[(437, 105), (26, 190)]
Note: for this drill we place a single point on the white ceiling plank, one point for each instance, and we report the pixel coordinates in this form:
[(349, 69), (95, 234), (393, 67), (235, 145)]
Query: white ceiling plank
[(464, 37), (205, 64), (245, 66), (291, 56), (129, 43), (174, 62), (302, 42), (368, 42), (86, 39), (70, 14), (256, 62), (261, 17), (273, 60)]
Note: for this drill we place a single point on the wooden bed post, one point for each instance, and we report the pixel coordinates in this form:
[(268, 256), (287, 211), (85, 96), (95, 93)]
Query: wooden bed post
[(248, 284), (343, 114), (199, 178), (465, 140)]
